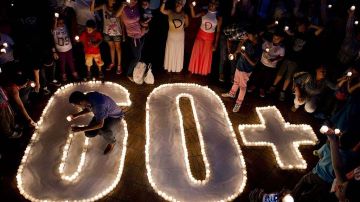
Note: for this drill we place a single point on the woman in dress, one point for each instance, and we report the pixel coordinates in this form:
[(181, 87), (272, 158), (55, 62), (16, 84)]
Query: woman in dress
[(174, 52), (206, 40), (112, 31)]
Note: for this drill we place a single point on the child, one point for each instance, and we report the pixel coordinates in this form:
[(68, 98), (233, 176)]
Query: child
[(63, 48), (91, 40), (146, 16)]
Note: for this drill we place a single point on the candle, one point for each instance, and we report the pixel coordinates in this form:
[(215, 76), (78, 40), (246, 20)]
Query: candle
[(3, 50), (329, 6), (288, 198), (77, 38), (352, 8), (337, 131), (32, 84), (324, 129), (194, 3), (5, 45), (68, 118), (243, 48), (231, 56), (286, 28), (276, 22), (349, 74), (56, 15), (267, 50), (356, 22)]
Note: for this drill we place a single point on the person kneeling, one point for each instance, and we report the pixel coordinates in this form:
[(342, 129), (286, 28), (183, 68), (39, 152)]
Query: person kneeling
[(106, 115)]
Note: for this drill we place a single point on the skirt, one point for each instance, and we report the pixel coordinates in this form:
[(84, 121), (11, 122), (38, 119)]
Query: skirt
[(201, 56), (174, 52)]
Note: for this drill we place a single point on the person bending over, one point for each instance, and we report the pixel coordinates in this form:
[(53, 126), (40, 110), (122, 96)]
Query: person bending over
[(106, 116)]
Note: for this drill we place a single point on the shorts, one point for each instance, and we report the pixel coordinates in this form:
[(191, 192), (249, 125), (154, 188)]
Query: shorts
[(289, 67), (90, 57), (112, 38)]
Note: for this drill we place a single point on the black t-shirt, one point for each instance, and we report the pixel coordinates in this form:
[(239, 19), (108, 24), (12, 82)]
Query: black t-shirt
[(298, 44)]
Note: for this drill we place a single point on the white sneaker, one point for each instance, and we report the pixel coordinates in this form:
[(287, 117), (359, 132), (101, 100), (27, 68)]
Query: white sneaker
[(227, 95), (236, 108)]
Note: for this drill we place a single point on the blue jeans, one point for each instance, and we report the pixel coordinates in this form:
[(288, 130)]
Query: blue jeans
[(107, 131), (136, 46)]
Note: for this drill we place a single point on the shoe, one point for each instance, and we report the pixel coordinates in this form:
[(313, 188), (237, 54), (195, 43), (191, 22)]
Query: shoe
[(109, 148), (46, 91), (118, 70), (236, 108), (15, 135), (282, 96), (88, 75), (251, 89), (55, 83), (101, 75), (227, 95), (131, 79), (293, 108), (262, 93), (110, 67)]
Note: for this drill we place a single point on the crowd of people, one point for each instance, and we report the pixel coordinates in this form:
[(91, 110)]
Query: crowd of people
[(307, 50)]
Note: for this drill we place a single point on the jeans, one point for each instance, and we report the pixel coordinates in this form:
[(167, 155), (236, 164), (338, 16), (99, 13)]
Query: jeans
[(136, 49), (47, 73), (107, 131)]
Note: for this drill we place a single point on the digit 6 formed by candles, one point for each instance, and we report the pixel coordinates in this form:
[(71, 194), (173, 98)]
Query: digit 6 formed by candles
[(57, 166)]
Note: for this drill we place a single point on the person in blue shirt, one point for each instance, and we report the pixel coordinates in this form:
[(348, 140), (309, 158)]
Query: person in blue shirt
[(106, 116)]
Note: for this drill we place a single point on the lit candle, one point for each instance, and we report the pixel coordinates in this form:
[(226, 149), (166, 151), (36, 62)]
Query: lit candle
[(243, 48), (356, 22), (288, 198), (324, 129), (68, 118), (56, 15), (352, 8), (337, 131), (77, 38), (267, 50), (286, 28), (32, 84), (5, 45), (231, 56), (3, 50), (349, 74), (194, 3), (329, 6), (276, 22)]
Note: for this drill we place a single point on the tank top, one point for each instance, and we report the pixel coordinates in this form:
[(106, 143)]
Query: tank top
[(209, 22), (111, 23), (62, 39), (176, 22), (131, 19)]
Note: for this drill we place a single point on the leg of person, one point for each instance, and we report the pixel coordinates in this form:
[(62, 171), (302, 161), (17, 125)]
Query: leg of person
[(279, 76), (108, 133), (311, 104), (310, 188), (112, 53), (118, 54), (71, 64), (136, 48), (92, 133), (234, 87), (243, 79), (99, 64), (62, 63), (291, 68), (88, 62), (268, 78)]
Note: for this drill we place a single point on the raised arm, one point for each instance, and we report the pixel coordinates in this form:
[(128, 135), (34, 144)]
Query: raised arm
[(121, 9), (162, 8), (93, 8), (318, 29), (192, 11)]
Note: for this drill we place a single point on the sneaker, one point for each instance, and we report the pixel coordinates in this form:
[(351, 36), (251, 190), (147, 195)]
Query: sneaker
[(109, 148), (46, 91), (131, 79), (262, 93), (282, 96), (228, 95), (293, 108), (236, 108), (251, 89), (88, 75), (55, 83), (101, 75), (110, 67), (119, 70)]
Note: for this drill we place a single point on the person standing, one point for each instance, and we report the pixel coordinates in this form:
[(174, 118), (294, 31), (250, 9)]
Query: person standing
[(174, 51), (106, 116), (207, 39), (112, 31)]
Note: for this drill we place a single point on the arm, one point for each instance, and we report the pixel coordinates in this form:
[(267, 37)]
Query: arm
[(83, 112), (93, 8), (352, 88), (121, 9), (318, 29), (162, 8), (93, 126), (15, 95), (218, 32), (193, 14), (337, 162), (37, 80), (233, 8)]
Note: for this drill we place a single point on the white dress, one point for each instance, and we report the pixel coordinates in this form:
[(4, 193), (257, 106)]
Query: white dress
[(174, 52)]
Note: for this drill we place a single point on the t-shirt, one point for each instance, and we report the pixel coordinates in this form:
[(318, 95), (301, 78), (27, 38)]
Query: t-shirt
[(62, 39), (103, 106), (111, 23), (254, 53), (8, 56), (274, 52), (131, 19), (209, 22), (89, 41), (296, 48), (324, 168)]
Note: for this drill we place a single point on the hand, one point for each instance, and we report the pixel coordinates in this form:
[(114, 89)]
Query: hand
[(56, 56), (357, 173), (37, 88), (31, 123), (76, 129), (301, 99)]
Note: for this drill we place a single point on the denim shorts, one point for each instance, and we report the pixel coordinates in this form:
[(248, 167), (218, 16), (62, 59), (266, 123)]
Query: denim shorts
[(112, 38)]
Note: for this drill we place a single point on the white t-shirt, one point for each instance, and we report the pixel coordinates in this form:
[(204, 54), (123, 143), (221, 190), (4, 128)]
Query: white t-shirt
[(111, 23), (8, 56), (62, 39), (209, 22), (272, 53)]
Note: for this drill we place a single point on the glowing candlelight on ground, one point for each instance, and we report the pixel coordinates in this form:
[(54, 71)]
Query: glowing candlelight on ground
[(267, 50), (349, 74), (356, 22), (56, 15), (69, 118), (329, 6), (194, 3), (5, 45), (77, 38), (337, 131), (352, 8), (286, 28), (324, 129), (288, 198), (243, 48), (231, 56), (276, 22), (3, 50), (12, 5), (32, 84)]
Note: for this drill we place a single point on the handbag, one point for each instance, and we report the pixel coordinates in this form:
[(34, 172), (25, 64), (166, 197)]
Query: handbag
[(138, 74), (149, 77)]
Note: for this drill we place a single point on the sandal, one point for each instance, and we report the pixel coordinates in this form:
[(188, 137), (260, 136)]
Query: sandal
[(109, 68), (118, 70)]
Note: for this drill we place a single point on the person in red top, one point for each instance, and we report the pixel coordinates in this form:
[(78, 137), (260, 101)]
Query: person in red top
[(91, 39)]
